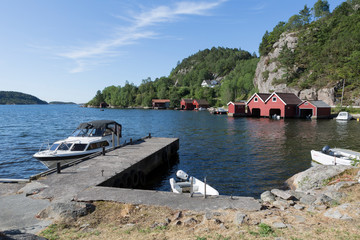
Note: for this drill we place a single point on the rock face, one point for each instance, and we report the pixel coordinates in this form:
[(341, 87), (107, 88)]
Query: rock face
[(268, 70)]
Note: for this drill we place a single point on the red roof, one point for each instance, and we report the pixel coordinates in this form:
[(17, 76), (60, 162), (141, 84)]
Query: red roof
[(187, 100), (262, 96), (160, 100), (287, 98), (236, 103)]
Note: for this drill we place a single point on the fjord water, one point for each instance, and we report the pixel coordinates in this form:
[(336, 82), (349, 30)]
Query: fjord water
[(238, 156)]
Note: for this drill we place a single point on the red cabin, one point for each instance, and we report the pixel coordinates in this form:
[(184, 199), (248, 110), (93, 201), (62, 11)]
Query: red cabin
[(256, 105), (314, 109), (236, 109), (160, 103), (200, 103), (282, 104), (186, 104)]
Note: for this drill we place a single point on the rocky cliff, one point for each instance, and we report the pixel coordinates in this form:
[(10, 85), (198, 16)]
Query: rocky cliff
[(269, 70)]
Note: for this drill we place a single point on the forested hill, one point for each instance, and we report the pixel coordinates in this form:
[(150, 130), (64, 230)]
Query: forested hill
[(325, 52), (234, 70), (9, 97)]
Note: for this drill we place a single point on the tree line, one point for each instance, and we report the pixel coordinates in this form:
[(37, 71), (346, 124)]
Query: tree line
[(234, 67)]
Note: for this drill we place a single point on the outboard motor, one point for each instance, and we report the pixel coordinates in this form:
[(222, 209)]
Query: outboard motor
[(325, 149), (182, 175)]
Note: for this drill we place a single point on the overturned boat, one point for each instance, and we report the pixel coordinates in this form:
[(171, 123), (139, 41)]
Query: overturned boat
[(186, 184), (335, 156), (88, 138)]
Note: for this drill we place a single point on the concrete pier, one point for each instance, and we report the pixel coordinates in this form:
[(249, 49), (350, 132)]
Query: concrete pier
[(109, 177)]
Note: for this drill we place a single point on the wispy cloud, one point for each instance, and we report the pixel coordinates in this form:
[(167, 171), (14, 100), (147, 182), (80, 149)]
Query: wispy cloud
[(139, 27), (259, 7)]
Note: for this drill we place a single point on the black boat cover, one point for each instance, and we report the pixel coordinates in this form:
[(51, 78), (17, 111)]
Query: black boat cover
[(97, 124)]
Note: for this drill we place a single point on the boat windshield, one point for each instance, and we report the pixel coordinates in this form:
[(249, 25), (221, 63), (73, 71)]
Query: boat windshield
[(54, 146), (64, 146), (342, 114), (92, 132)]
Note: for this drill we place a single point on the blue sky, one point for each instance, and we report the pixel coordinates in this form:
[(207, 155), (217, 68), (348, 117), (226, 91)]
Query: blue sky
[(66, 50)]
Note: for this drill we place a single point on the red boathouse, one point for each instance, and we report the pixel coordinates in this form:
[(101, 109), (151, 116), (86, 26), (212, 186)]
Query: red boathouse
[(256, 105), (236, 109), (186, 104), (282, 104), (200, 103), (160, 103), (314, 109)]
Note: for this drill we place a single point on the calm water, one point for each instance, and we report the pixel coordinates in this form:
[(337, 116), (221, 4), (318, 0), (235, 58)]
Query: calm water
[(242, 156)]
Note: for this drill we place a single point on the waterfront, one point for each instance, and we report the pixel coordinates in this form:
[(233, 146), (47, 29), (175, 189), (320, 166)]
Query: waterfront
[(243, 156)]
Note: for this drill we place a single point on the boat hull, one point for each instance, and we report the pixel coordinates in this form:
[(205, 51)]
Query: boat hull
[(326, 159), (198, 187), (51, 161)]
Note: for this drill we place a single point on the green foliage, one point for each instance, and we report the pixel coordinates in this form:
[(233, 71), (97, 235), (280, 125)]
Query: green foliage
[(236, 66), (265, 230), (238, 85), (8, 97), (328, 49), (321, 8)]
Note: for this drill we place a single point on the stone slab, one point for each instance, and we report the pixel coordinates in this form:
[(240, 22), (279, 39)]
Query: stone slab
[(169, 199)]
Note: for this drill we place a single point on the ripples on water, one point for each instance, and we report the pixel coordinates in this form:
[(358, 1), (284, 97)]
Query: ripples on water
[(242, 156)]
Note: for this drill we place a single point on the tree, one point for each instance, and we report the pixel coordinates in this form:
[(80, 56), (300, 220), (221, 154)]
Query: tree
[(321, 8), (305, 15)]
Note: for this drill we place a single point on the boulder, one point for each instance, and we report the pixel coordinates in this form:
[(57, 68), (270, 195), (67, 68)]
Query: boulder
[(267, 196), (66, 211), (239, 218), (315, 177), (282, 194)]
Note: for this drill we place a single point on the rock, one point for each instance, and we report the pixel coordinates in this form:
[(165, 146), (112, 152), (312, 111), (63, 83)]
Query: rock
[(308, 94), (308, 199), (338, 213), (323, 199), (190, 221), (267, 197), (177, 215), (281, 204), (299, 207), (239, 218), (315, 177), (64, 211), (167, 220), (19, 236), (340, 185), (278, 225), (281, 194), (32, 188), (299, 219), (327, 95)]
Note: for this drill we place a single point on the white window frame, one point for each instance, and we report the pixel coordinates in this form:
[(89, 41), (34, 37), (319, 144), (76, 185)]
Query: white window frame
[(274, 99), (255, 99)]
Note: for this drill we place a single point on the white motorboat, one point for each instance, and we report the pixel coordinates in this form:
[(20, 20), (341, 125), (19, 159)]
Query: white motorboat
[(344, 116), (185, 184), (88, 138), (335, 156)]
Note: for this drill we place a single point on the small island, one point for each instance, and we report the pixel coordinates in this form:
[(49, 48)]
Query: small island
[(14, 98), (61, 103)]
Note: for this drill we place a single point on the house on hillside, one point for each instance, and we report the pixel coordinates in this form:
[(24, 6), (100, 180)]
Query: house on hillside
[(314, 109), (236, 109), (210, 83), (186, 104), (256, 105), (200, 103), (282, 104), (160, 103)]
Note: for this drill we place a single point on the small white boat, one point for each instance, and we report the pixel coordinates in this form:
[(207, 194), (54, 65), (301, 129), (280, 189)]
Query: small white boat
[(335, 156), (344, 116), (88, 138), (184, 185)]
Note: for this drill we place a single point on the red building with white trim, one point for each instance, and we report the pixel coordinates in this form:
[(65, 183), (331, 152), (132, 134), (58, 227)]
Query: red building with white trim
[(256, 105), (314, 109), (282, 104), (236, 109)]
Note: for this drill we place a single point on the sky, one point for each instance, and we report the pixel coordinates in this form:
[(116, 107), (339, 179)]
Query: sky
[(66, 50)]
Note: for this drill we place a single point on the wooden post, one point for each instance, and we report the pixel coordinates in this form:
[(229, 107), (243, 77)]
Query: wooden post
[(58, 167), (103, 151), (191, 187), (118, 138), (205, 187), (113, 140)]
